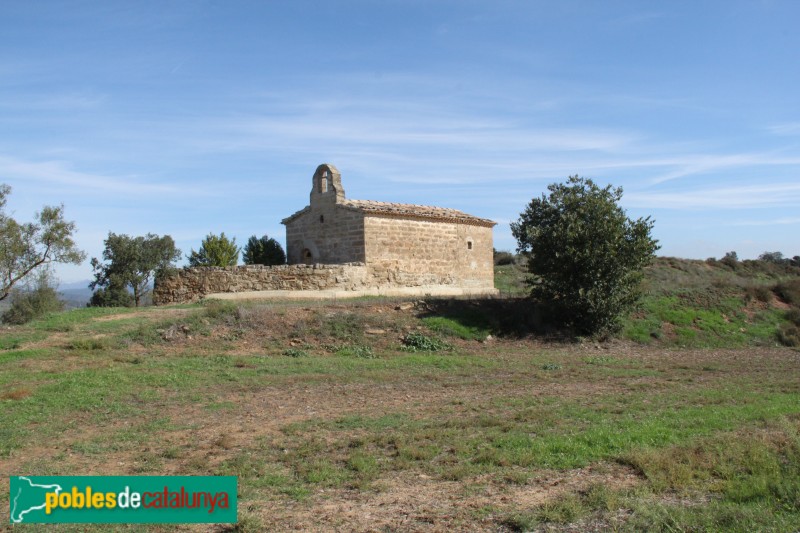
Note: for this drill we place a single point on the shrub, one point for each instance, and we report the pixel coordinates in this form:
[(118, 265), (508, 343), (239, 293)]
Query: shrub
[(215, 250), (112, 296), (789, 291), (87, 344), (758, 292), (417, 342), (295, 352), (731, 259), (587, 255), (793, 316), (27, 305), (263, 251), (503, 258), (789, 335)]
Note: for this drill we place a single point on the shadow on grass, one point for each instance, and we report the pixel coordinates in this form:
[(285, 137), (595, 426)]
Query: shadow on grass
[(512, 317)]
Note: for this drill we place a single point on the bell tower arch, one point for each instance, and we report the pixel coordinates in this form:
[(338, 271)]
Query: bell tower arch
[(326, 185)]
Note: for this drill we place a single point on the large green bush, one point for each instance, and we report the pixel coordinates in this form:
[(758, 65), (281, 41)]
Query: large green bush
[(112, 296), (586, 256), (33, 302)]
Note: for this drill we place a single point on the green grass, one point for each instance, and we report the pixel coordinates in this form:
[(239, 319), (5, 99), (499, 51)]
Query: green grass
[(681, 321), (716, 428), (464, 327), (492, 442), (67, 320), (17, 339), (691, 303), (510, 280)]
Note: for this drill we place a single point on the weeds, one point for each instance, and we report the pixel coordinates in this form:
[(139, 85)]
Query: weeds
[(221, 310), (789, 335), (295, 352), (417, 342), (88, 344), (343, 326), (359, 351)]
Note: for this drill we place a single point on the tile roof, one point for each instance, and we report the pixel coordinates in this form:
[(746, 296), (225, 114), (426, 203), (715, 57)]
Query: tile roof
[(404, 211), (414, 211)]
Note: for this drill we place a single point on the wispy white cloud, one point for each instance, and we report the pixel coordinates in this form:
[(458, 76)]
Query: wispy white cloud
[(693, 164), (366, 129), (773, 222), (788, 128), (59, 172), (755, 196), (68, 101)]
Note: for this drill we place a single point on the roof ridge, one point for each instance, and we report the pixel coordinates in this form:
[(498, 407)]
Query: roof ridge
[(413, 210)]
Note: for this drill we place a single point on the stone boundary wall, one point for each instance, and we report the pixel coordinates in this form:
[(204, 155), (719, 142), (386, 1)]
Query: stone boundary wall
[(192, 284)]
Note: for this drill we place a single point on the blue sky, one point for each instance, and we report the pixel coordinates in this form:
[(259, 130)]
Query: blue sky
[(185, 118)]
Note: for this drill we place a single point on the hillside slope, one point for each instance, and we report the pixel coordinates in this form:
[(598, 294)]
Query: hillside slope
[(704, 303)]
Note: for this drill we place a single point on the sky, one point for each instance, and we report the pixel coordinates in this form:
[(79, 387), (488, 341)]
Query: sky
[(194, 117)]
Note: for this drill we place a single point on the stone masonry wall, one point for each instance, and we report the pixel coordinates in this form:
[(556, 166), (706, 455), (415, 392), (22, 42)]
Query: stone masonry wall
[(330, 233), (407, 252), (192, 284)]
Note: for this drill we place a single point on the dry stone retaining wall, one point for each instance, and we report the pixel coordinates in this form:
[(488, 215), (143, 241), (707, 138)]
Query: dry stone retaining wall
[(192, 284)]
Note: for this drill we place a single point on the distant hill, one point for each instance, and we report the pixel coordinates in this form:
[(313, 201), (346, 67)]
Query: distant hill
[(75, 297)]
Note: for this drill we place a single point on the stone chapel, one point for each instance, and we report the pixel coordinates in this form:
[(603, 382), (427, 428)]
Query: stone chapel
[(401, 244)]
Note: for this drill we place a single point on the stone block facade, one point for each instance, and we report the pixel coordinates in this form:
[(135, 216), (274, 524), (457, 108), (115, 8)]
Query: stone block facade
[(402, 251), (356, 245)]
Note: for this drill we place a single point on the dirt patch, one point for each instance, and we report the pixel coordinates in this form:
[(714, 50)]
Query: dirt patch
[(417, 502), (149, 312)]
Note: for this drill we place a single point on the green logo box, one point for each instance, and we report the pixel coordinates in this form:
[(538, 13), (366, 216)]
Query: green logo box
[(122, 499)]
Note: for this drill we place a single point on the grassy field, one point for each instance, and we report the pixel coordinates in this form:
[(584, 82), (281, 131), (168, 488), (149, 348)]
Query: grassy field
[(440, 416)]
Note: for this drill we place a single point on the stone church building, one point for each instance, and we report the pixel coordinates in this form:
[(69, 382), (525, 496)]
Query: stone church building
[(401, 244), (344, 248)]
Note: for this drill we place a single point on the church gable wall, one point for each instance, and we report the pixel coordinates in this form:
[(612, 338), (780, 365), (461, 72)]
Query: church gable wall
[(430, 251)]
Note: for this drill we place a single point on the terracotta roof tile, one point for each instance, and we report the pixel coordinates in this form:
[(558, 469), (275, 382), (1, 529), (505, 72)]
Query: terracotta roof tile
[(412, 210)]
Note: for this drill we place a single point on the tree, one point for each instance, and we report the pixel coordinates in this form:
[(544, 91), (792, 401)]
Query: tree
[(263, 251), (586, 256), (218, 251), (26, 247), (731, 259), (131, 263), (36, 300), (773, 257), (115, 295)]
